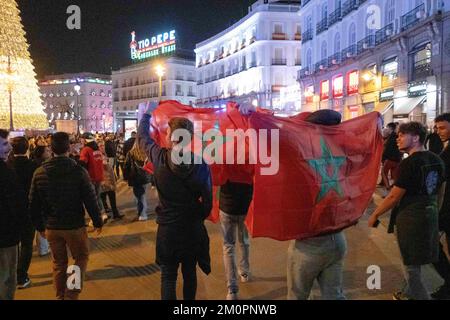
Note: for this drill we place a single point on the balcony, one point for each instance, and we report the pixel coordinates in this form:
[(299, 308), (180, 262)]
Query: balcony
[(349, 6), (278, 36), (322, 65), (279, 62), (335, 17), (181, 78), (252, 64), (349, 52), (304, 73), (335, 59), (191, 94), (199, 82), (307, 35), (322, 26), (422, 69), (366, 44), (384, 34), (413, 17), (179, 93)]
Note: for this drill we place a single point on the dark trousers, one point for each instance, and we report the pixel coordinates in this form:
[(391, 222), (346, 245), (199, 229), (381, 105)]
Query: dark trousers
[(443, 265), (169, 273), (25, 252), (112, 201)]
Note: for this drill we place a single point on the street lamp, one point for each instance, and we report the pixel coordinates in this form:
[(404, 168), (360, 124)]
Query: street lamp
[(10, 84), (160, 73), (77, 88)]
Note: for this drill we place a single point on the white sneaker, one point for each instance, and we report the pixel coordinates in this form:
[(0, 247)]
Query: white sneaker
[(105, 218), (232, 296), (141, 218)]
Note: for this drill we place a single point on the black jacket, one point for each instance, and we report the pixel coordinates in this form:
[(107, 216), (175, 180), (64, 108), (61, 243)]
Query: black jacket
[(110, 149), (13, 213), (185, 195), (24, 169), (390, 151), (235, 198), (434, 143), (128, 145), (444, 213), (59, 189)]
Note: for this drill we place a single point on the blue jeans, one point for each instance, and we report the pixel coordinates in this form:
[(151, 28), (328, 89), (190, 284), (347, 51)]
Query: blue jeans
[(320, 258), (415, 289), (141, 199), (230, 224)]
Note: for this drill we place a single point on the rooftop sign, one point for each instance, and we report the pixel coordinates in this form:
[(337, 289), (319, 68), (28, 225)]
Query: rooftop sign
[(158, 45)]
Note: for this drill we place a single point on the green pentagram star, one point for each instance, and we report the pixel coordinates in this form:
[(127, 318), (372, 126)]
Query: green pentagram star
[(320, 166)]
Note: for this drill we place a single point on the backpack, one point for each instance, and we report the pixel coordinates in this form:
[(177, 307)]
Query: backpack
[(135, 173)]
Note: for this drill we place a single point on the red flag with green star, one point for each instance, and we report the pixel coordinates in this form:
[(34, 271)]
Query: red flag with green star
[(327, 176)]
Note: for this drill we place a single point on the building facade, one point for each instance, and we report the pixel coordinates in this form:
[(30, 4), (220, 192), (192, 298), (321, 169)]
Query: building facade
[(376, 55), (139, 83), (92, 103), (255, 60)]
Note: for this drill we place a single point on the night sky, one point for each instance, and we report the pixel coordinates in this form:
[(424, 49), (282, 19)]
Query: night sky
[(103, 41)]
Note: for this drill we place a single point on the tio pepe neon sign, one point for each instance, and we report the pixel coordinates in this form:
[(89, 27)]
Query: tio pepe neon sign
[(160, 44)]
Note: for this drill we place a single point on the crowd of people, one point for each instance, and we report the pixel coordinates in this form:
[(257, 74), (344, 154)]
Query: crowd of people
[(48, 184)]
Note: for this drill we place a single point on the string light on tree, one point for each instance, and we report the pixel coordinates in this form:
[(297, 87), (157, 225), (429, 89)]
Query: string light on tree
[(19, 93)]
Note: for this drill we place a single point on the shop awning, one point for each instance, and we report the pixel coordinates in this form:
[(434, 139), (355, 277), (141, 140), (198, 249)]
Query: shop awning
[(407, 105), (384, 107)]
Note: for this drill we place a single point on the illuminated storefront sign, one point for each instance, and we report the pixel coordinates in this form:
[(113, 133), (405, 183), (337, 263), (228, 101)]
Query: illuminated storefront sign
[(387, 94), (309, 94), (416, 89), (324, 90), (353, 82), (160, 44), (338, 86)]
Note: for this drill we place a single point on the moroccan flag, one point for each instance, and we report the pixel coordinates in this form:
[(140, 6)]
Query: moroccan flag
[(326, 178)]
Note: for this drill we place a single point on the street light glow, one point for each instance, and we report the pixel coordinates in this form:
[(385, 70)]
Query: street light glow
[(159, 70)]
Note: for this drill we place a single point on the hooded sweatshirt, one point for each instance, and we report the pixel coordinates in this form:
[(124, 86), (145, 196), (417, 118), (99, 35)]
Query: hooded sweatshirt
[(92, 159), (185, 200)]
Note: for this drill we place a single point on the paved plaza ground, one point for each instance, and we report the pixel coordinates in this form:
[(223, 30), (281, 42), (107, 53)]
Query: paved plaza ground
[(122, 263)]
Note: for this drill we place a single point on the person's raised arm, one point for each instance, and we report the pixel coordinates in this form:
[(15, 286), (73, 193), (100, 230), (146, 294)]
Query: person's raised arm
[(146, 143)]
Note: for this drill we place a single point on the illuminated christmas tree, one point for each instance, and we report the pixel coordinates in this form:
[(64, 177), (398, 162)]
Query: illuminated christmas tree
[(19, 91)]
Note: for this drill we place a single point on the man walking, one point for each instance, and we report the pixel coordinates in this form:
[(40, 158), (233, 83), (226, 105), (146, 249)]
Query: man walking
[(91, 158), (12, 216), (416, 192), (443, 265), (60, 191), (24, 169)]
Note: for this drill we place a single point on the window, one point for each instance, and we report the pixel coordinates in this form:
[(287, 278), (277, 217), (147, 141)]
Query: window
[(278, 53), (309, 59), (389, 12), (337, 42), (389, 68), (423, 55), (324, 11), (352, 35), (278, 28), (337, 4), (178, 90), (309, 23), (298, 29), (352, 82), (323, 50)]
